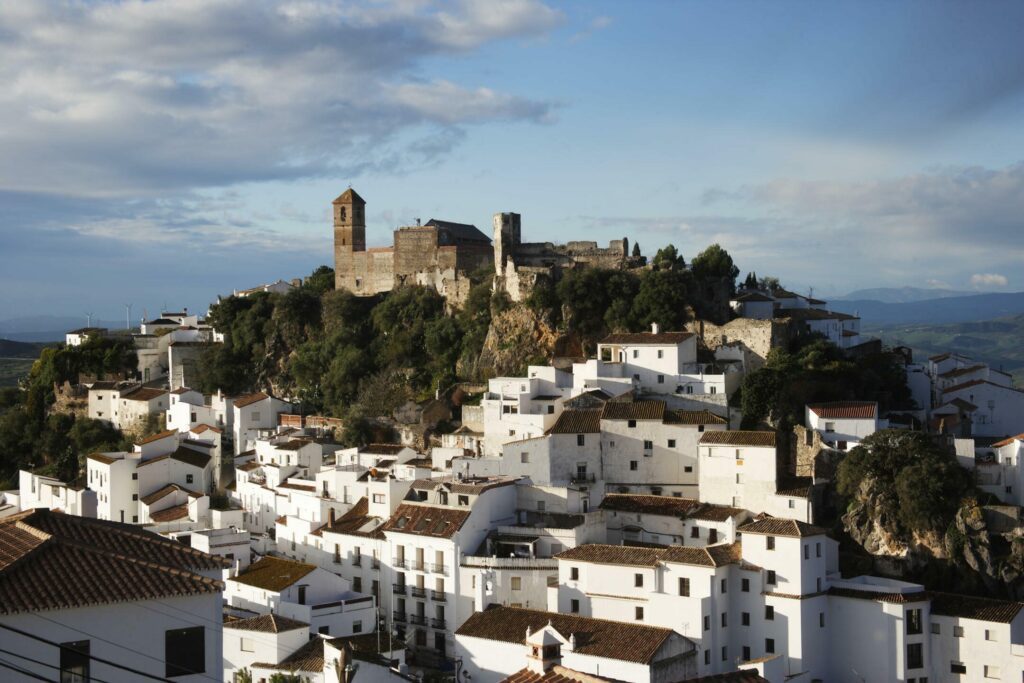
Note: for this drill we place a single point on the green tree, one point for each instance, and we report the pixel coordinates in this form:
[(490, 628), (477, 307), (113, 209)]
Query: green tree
[(714, 262), (320, 281), (668, 258), (662, 298)]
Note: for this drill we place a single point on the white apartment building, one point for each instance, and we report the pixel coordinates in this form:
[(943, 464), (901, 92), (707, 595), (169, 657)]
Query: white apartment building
[(82, 599), (513, 644), (38, 491), (125, 405), (517, 408), (666, 520), (844, 424), (189, 409), (740, 469), (253, 413), (1001, 473)]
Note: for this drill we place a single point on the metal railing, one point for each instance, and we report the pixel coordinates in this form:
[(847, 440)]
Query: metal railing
[(439, 596), (399, 562), (398, 588), (417, 592), (399, 617), (439, 569), (436, 623), (418, 619)]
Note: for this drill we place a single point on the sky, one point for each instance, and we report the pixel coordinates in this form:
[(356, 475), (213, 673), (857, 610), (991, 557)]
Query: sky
[(162, 153)]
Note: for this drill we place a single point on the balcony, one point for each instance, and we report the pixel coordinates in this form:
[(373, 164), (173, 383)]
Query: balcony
[(582, 478), (437, 623), (439, 569), (415, 565), (357, 561), (376, 563), (416, 592), (398, 617), (399, 562), (418, 619), (398, 588), (438, 596)]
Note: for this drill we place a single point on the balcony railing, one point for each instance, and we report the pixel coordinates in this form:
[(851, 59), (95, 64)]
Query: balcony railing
[(399, 617), (417, 592), (399, 588), (376, 563), (417, 619), (436, 623), (357, 561), (415, 565), (582, 478), (399, 562), (439, 596), (439, 569)]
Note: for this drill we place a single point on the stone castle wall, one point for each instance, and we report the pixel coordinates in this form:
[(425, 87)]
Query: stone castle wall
[(756, 337)]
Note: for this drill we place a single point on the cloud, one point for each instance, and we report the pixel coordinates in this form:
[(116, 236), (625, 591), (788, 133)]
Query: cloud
[(596, 24), (937, 284), (122, 99), (988, 281)]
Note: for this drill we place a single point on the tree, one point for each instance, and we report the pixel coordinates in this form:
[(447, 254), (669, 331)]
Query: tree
[(636, 250), (751, 281), (668, 258), (320, 281), (662, 299), (714, 262)]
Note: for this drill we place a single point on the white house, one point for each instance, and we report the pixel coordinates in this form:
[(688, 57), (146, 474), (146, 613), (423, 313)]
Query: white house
[(83, 599), (263, 638), (843, 424), (753, 305), (251, 414), (82, 334), (38, 491), (666, 520), (517, 408), (999, 408), (508, 643)]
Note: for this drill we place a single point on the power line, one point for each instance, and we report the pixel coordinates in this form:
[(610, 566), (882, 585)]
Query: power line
[(91, 656), (51, 666), (24, 672)]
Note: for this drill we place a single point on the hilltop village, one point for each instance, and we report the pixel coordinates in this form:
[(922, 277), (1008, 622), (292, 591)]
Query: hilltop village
[(734, 487)]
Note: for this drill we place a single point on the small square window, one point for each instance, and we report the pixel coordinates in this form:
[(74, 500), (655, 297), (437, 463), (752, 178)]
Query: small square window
[(524, 457), (580, 440), (638, 613), (684, 587), (574, 606), (769, 646), (771, 577), (638, 580), (633, 465), (688, 468), (631, 424), (769, 613), (745, 618), (745, 585), (671, 443)]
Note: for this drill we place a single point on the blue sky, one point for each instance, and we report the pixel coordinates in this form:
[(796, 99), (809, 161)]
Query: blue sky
[(168, 151)]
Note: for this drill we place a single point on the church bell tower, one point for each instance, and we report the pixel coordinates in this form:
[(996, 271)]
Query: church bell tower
[(349, 235)]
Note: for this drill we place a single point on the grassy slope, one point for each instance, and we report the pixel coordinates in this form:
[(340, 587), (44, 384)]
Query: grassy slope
[(16, 359), (996, 342)]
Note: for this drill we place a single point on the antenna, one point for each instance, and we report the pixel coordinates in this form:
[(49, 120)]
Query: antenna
[(128, 316)]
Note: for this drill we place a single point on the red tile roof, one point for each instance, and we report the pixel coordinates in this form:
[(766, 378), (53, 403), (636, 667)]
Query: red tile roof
[(778, 526), (266, 623), (635, 338), (584, 421), (144, 394), (556, 674), (274, 573), (595, 637), (738, 438), (895, 598), (633, 410), (50, 561), (157, 437), (977, 382), (170, 514), (426, 520), (845, 410), (682, 508), (243, 401), (693, 417), (970, 607), (642, 556)]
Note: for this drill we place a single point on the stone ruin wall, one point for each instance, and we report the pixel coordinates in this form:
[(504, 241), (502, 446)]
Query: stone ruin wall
[(758, 337)]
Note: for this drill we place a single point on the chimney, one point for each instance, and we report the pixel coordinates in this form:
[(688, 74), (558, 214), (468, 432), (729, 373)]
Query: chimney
[(655, 328)]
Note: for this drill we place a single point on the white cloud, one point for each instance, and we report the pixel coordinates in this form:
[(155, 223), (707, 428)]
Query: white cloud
[(988, 281)]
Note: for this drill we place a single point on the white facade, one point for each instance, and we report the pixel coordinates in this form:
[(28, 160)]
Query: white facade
[(252, 414), (843, 425)]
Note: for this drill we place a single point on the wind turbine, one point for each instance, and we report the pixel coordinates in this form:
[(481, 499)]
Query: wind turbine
[(128, 317)]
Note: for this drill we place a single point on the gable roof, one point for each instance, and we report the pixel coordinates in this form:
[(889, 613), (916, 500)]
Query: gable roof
[(460, 231), (668, 506), (309, 657), (1008, 441), (144, 394), (274, 573), (738, 437), (693, 417), (266, 623), (556, 674), (595, 637), (426, 520), (356, 522), (975, 383), (49, 560), (633, 410), (778, 526), (157, 437), (347, 196), (643, 556), (970, 607), (577, 421), (640, 338), (243, 401), (850, 410)]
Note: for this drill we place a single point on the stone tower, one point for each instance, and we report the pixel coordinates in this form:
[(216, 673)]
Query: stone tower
[(507, 237), (349, 235)]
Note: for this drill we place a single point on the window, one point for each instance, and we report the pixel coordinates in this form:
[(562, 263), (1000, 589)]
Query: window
[(135, 519), (817, 549), (135, 496), (725, 585), (745, 585), (551, 410), (746, 653), (990, 635), (638, 613), (915, 656), (821, 620), (517, 583), (511, 432), (991, 671), (738, 455), (956, 667), (135, 475), (769, 613), (326, 630), (684, 587), (958, 631), (707, 623), (745, 618), (541, 506), (636, 353), (914, 625), (631, 424), (688, 468), (661, 379), (725, 619), (769, 542), (188, 478), (524, 457), (739, 477), (574, 573), (633, 465), (580, 440), (707, 656), (74, 662), (807, 549), (379, 498), (357, 626), (648, 445), (830, 426), (185, 651), (935, 629), (769, 646), (770, 580), (725, 653), (661, 353), (638, 580), (574, 606), (700, 428), (246, 645), (357, 584)]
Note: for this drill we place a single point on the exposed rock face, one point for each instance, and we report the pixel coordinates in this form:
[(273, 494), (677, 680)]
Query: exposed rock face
[(516, 338)]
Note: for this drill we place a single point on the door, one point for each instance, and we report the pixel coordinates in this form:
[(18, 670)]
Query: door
[(302, 595)]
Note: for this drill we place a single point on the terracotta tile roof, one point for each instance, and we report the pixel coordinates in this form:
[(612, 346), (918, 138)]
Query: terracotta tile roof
[(556, 674), (895, 598), (309, 657), (595, 637), (200, 428), (709, 556), (144, 394), (633, 410), (1008, 441), (970, 607), (978, 382), (181, 390), (668, 506), (738, 438), (958, 372), (613, 554), (157, 437), (425, 520), (297, 487), (160, 493), (848, 410), (293, 445), (191, 457), (356, 522), (745, 676), (170, 514), (103, 458), (753, 296), (266, 623), (795, 487), (49, 560), (273, 573), (693, 417), (584, 421), (249, 466), (634, 338), (778, 526), (243, 401), (939, 358)]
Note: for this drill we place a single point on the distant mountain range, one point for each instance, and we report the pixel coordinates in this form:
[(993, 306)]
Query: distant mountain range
[(900, 295), (48, 327), (952, 309)]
